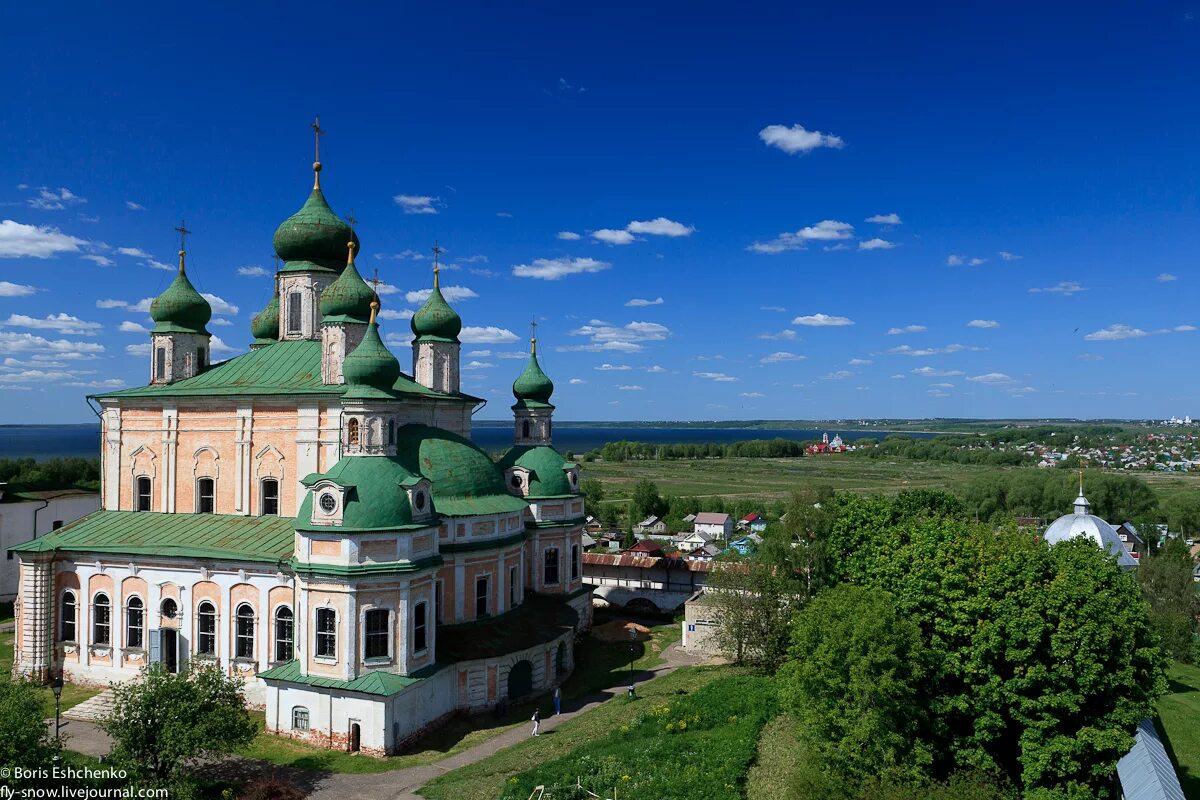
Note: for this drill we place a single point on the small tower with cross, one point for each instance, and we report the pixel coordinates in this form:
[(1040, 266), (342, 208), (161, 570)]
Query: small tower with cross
[(532, 413), (179, 341), (435, 345), (345, 312)]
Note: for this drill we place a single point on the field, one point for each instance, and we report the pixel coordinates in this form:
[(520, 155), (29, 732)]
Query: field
[(1178, 712)]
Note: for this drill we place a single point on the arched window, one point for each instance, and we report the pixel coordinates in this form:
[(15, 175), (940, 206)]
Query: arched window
[(206, 496), (352, 432), (326, 633), (101, 620), (575, 562), (419, 631), (391, 431), (244, 632), (143, 494), (270, 497), (160, 363), (300, 718), (135, 622), (169, 608), (67, 618), (295, 309), (200, 365), (283, 634), (525, 429), (550, 573), (376, 633), (206, 629)]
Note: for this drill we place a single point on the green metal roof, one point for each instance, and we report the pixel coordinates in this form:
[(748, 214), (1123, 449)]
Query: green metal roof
[(375, 495), (265, 325), (314, 234), (348, 297), (216, 536), (385, 684), (465, 480), (180, 308), (547, 470), (370, 369), (435, 319), (284, 368), (533, 388)]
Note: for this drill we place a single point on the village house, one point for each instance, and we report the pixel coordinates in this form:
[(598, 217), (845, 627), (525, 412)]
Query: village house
[(651, 525), (713, 525)]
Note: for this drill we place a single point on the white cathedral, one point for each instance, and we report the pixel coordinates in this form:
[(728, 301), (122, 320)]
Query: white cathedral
[(312, 519)]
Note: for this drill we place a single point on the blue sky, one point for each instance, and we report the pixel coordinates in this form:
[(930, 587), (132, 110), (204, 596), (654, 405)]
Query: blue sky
[(1032, 177)]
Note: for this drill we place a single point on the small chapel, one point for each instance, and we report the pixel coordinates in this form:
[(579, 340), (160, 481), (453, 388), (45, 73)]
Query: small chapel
[(312, 519)]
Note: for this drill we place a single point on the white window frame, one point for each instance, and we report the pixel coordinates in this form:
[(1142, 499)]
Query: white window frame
[(389, 632)]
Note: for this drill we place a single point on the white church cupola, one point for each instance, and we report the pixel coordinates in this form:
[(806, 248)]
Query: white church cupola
[(312, 244), (345, 312), (435, 330), (179, 342), (532, 412)]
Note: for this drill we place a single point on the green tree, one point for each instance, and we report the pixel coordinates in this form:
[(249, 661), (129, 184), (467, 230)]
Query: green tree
[(753, 605), (162, 722), (593, 495), (1183, 513), (1167, 584), (647, 501), (854, 685), (25, 741)]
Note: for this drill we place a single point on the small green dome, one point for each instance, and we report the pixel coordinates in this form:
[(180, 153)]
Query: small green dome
[(348, 297), (265, 325), (454, 465), (315, 234), (371, 366), (548, 470), (532, 385), (436, 319), (180, 309), (377, 499)]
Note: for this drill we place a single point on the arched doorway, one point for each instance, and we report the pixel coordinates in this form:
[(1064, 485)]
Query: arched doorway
[(355, 734), (520, 680)]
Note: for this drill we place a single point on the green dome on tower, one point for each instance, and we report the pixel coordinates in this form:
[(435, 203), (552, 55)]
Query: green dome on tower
[(532, 387), (436, 319), (180, 309), (371, 370), (348, 298), (265, 325), (314, 235)]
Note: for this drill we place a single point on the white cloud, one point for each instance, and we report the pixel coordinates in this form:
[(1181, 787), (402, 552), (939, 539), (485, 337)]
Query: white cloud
[(629, 388), (975, 262), (35, 241), (403, 255), (478, 365), (400, 339), (1184, 328), (132, 206), (751, 395), (416, 203), (1007, 256), (384, 289), (660, 226), (885, 219), (991, 377), (220, 306), (142, 306), (108, 383), (140, 350), (15, 289), (253, 272), (906, 329), (876, 244), (1166, 277), (780, 309), (63, 323), (392, 313), (983, 323), (513, 354), (35, 376), (798, 139), (719, 377), (1114, 333), (610, 236), (625, 338), (13, 343), (156, 264), (453, 294), (487, 335), (930, 372), (921, 352), (655, 370), (787, 334), (942, 385), (217, 345), (478, 353), (840, 375), (551, 269), (576, 381), (50, 200), (822, 321), (568, 236), (504, 214), (1065, 288), (826, 230), (613, 368), (102, 261), (954, 261), (133, 327), (1089, 357), (781, 357), (220, 322), (860, 362), (133, 252), (639, 302)]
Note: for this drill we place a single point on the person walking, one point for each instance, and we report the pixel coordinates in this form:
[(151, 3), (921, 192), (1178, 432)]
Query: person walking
[(537, 718), (557, 701)]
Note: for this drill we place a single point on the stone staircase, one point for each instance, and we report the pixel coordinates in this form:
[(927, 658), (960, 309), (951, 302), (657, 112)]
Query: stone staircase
[(92, 709)]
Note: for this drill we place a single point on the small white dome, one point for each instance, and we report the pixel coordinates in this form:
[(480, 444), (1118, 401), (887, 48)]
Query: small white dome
[(1081, 523)]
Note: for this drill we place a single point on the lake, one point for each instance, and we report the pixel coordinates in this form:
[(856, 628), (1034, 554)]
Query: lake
[(58, 441)]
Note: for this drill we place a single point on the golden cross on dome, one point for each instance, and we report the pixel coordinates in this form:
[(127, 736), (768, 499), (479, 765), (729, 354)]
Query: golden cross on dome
[(183, 234), (533, 335), (375, 282)]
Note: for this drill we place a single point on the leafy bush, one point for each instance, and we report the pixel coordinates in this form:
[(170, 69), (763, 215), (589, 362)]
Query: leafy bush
[(700, 745), (25, 741)]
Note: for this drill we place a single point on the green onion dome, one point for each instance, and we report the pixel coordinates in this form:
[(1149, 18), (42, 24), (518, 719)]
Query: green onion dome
[(180, 309), (265, 325), (371, 368), (533, 387), (436, 319), (314, 235), (348, 298)]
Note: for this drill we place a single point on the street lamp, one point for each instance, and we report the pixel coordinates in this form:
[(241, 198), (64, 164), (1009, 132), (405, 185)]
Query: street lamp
[(632, 639), (56, 686)]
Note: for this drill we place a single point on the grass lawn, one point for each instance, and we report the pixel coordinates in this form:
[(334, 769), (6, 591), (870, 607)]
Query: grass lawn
[(777, 748), (1179, 722), (72, 695), (599, 665), (484, 780)]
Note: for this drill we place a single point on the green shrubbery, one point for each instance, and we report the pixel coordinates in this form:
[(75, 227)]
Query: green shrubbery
[(700, 745)]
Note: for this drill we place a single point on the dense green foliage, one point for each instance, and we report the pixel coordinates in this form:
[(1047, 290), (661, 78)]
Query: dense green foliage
[(1041, 658), (752, 448), (753, 602), (945, 449), (1049, 494), (25, 474), (1166, 579), (162, 722), (699, 745), (25, 740)]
